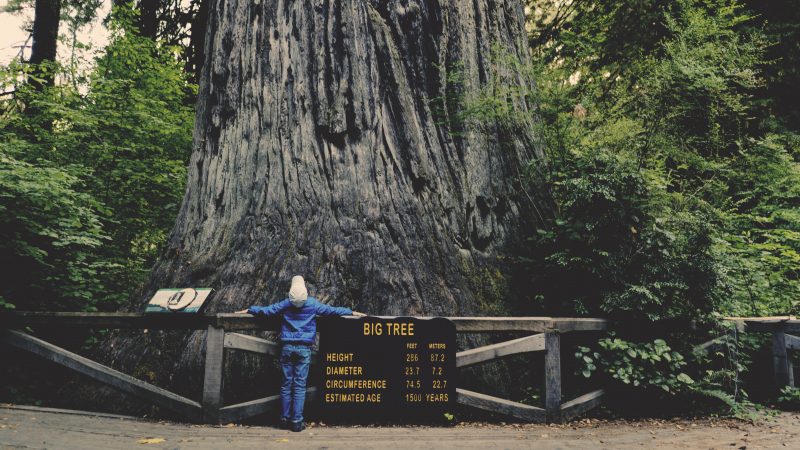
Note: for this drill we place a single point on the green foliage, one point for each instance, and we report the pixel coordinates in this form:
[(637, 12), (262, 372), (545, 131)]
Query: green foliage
[(603, 36), (112, 151), (135, 138), (707, 377), (617, 247), (790, 397), (674, 187), (740, 408), (49, 237), (669, 201), (760, 240), (778, 99), (648, 364), (629, 235)]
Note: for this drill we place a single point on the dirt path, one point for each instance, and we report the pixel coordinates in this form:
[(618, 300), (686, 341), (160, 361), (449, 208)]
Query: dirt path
[(22, 427)]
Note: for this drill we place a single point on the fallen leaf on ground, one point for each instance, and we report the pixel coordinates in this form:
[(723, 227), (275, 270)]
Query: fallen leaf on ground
[(282, 440), (150, 441)]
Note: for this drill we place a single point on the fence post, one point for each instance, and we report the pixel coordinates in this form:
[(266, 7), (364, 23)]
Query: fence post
[(552, 375), (781, 362), (213, 380)]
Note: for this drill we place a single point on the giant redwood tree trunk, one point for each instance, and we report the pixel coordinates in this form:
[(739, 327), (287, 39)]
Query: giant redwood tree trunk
[(317, 152), (319, 149)]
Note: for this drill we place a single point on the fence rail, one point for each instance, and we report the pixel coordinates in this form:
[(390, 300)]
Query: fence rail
[(781, 342), (222, 335), (242, 322)]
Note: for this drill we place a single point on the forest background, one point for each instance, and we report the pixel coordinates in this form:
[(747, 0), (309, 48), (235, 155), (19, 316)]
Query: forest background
[(672, 137)]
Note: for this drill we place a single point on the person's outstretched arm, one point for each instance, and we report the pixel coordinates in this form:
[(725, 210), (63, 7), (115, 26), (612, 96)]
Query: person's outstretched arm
[(270, 310), (327, 310)]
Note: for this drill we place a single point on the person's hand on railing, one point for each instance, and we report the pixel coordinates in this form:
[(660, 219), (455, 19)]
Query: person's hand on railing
[(358, 314), (244, 311)]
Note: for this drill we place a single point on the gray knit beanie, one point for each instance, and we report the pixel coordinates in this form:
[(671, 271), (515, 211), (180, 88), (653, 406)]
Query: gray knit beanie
[(298, 292)]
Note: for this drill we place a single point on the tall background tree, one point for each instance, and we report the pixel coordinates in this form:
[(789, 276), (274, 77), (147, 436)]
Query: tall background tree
[(45, 41), (174, 24)]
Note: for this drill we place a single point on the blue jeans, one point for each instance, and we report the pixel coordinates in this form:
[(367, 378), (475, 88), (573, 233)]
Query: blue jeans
[(295, 361)]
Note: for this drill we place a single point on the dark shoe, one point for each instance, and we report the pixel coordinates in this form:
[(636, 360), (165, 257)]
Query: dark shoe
[(298, 426), (284, 424)]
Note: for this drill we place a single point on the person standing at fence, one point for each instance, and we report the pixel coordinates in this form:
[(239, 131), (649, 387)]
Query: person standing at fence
[(298, 330)]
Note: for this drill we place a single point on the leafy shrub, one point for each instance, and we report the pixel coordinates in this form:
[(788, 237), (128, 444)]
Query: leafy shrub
[(620, 248), (789, 397), (50, 234), (648, 364)]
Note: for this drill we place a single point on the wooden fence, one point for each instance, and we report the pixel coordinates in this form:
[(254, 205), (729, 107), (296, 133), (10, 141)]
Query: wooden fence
[(782, 341), (222, 334)]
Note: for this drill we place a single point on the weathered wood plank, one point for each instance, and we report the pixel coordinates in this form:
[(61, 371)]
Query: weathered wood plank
[(530, 324), (764, 319), (245, 410), (243, 322), (242, 411), (711, 345), (104, 320), (792, 342), (495, 324), (501, 406), (117, 380), (786, 325), (552, 376), (239, 322), (567, 324), (781, 363), (213, 380), (251, 344), (236, 341), (580, 405), (486, 353)]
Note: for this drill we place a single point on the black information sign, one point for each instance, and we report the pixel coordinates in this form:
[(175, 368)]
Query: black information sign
[(387, 369)]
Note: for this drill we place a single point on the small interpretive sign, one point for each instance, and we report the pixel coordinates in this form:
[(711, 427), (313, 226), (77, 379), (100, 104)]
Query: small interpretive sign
[(186, 300)]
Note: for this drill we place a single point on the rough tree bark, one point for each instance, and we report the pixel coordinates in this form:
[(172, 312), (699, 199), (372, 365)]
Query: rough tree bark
[(318, 151), (47, 15)]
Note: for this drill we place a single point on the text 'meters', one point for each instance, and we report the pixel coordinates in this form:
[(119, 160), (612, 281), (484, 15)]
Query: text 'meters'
[(388, 369)]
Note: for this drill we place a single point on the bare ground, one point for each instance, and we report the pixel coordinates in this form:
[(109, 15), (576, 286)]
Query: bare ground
[(26, 427)]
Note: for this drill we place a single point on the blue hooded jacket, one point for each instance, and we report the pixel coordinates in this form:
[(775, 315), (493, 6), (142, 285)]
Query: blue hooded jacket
[(299, 325)]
